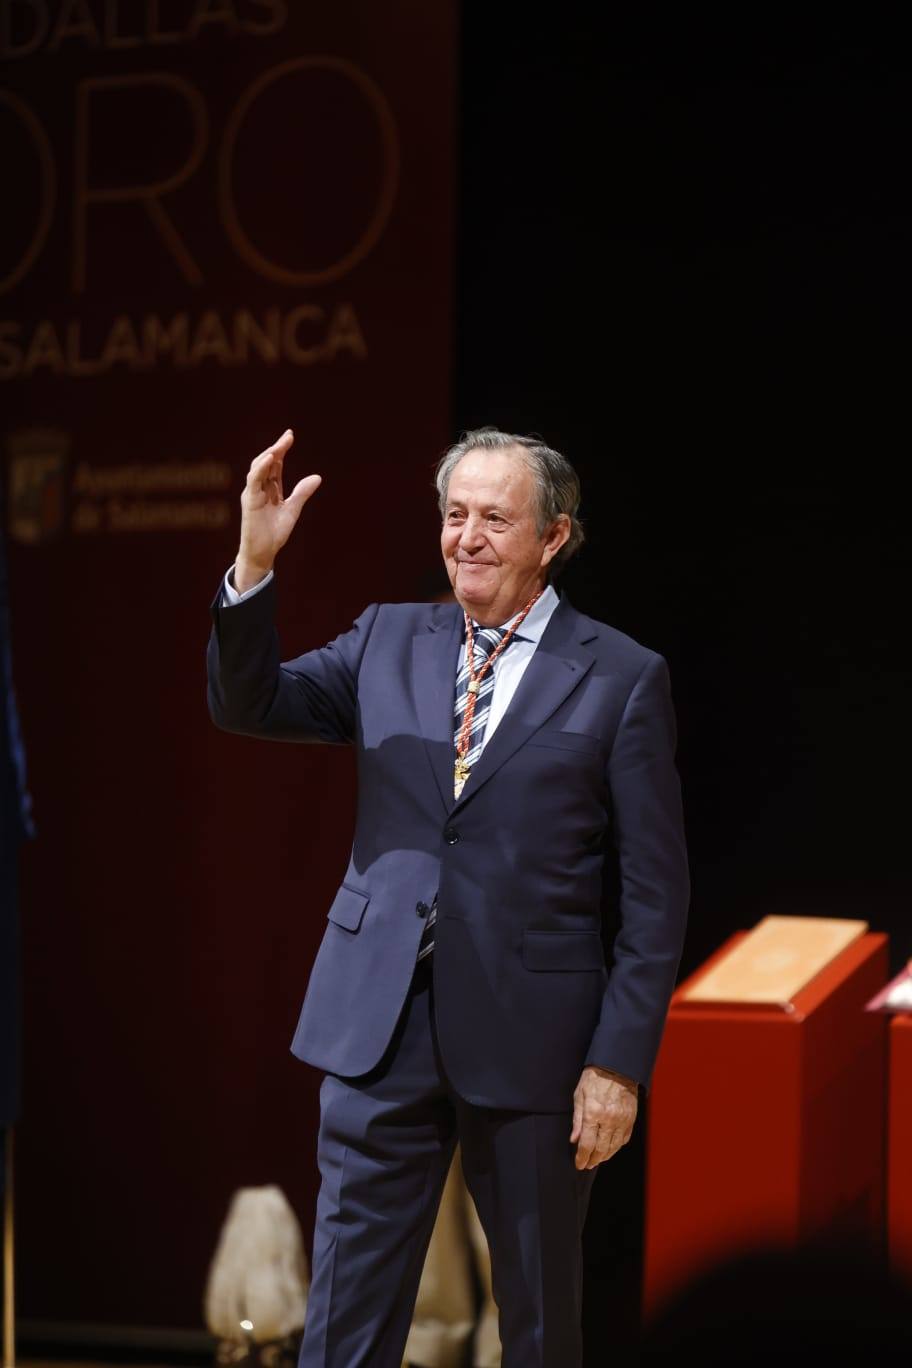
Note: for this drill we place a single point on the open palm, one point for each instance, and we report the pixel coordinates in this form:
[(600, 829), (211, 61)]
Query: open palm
[(267, 516)]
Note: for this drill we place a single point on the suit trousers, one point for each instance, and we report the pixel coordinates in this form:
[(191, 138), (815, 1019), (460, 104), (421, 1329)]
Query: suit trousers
[(455, 1314), (385, 1146)]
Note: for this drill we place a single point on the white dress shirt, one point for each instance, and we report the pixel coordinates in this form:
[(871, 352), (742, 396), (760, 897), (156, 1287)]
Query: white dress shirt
[(509, 667)]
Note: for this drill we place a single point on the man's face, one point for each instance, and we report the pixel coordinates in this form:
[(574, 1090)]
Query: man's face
[(494, 554)]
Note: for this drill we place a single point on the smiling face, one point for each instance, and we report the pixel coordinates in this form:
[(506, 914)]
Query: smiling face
[(494, 553)]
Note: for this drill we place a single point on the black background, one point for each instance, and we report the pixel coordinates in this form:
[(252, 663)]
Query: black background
[(682, 258)]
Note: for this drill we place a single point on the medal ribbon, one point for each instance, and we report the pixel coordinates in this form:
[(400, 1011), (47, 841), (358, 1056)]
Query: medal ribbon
[(475, 679)]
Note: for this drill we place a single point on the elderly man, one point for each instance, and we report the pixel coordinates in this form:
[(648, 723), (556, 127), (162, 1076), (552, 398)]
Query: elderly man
[(517, 799)]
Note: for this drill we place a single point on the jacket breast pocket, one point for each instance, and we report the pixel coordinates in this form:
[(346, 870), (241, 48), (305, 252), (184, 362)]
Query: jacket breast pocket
[(565, 740), (348, 908), (550, 950)]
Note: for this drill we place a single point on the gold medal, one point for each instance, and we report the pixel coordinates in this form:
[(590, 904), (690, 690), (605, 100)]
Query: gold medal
[(461, 773)]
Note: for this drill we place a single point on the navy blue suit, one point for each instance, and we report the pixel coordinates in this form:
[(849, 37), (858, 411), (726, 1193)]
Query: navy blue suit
[(562, 887)]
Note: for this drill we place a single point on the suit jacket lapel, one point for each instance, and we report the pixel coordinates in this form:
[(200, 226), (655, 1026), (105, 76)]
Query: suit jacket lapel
[(558, 664), (435, 653)]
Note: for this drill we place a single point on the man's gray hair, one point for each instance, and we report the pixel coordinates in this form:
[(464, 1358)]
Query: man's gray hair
[(556, 482)]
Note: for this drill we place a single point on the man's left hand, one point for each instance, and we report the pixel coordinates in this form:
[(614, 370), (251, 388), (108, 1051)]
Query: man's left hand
[(604, 1110)]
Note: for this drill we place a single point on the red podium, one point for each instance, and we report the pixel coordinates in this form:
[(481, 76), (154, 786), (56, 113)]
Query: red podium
[(766, 1127), (899, 1150)]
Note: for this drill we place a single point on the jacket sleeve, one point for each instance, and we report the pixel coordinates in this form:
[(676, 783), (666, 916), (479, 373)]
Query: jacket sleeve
[(655, 885), (252, 692)]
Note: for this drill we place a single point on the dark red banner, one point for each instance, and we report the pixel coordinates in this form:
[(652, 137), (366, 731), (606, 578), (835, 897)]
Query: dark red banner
[(221, 220)]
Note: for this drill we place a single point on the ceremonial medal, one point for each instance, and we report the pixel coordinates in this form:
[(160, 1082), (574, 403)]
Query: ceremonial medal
[(460, 775)]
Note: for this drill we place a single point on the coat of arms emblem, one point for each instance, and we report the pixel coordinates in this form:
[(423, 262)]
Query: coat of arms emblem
[(37, 467)]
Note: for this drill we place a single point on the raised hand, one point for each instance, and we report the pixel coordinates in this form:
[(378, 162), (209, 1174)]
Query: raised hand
[(267, 517)]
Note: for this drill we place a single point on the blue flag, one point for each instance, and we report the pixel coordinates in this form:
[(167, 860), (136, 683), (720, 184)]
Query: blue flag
[(15, 823)]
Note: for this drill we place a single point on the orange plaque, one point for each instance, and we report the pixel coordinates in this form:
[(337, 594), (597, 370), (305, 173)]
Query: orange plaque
[(775, 961)]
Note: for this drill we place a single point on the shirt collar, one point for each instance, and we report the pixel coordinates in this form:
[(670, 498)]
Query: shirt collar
[(537, 618)]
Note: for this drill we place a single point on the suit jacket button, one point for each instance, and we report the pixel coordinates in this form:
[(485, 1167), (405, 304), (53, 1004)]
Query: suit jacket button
[(451, 835), (422, 909)]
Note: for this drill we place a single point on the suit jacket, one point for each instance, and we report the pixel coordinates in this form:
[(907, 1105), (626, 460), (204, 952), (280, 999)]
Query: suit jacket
[(575, 792)]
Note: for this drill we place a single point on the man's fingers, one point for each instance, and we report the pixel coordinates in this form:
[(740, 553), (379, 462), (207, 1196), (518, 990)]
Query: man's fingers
[(281, 445), (603, 1115), (609, 1142), (607, 1146), (302, 492), (269, 461), (587, 1143)]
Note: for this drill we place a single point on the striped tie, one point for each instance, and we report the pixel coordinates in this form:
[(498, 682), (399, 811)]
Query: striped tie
[(487, 639)]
